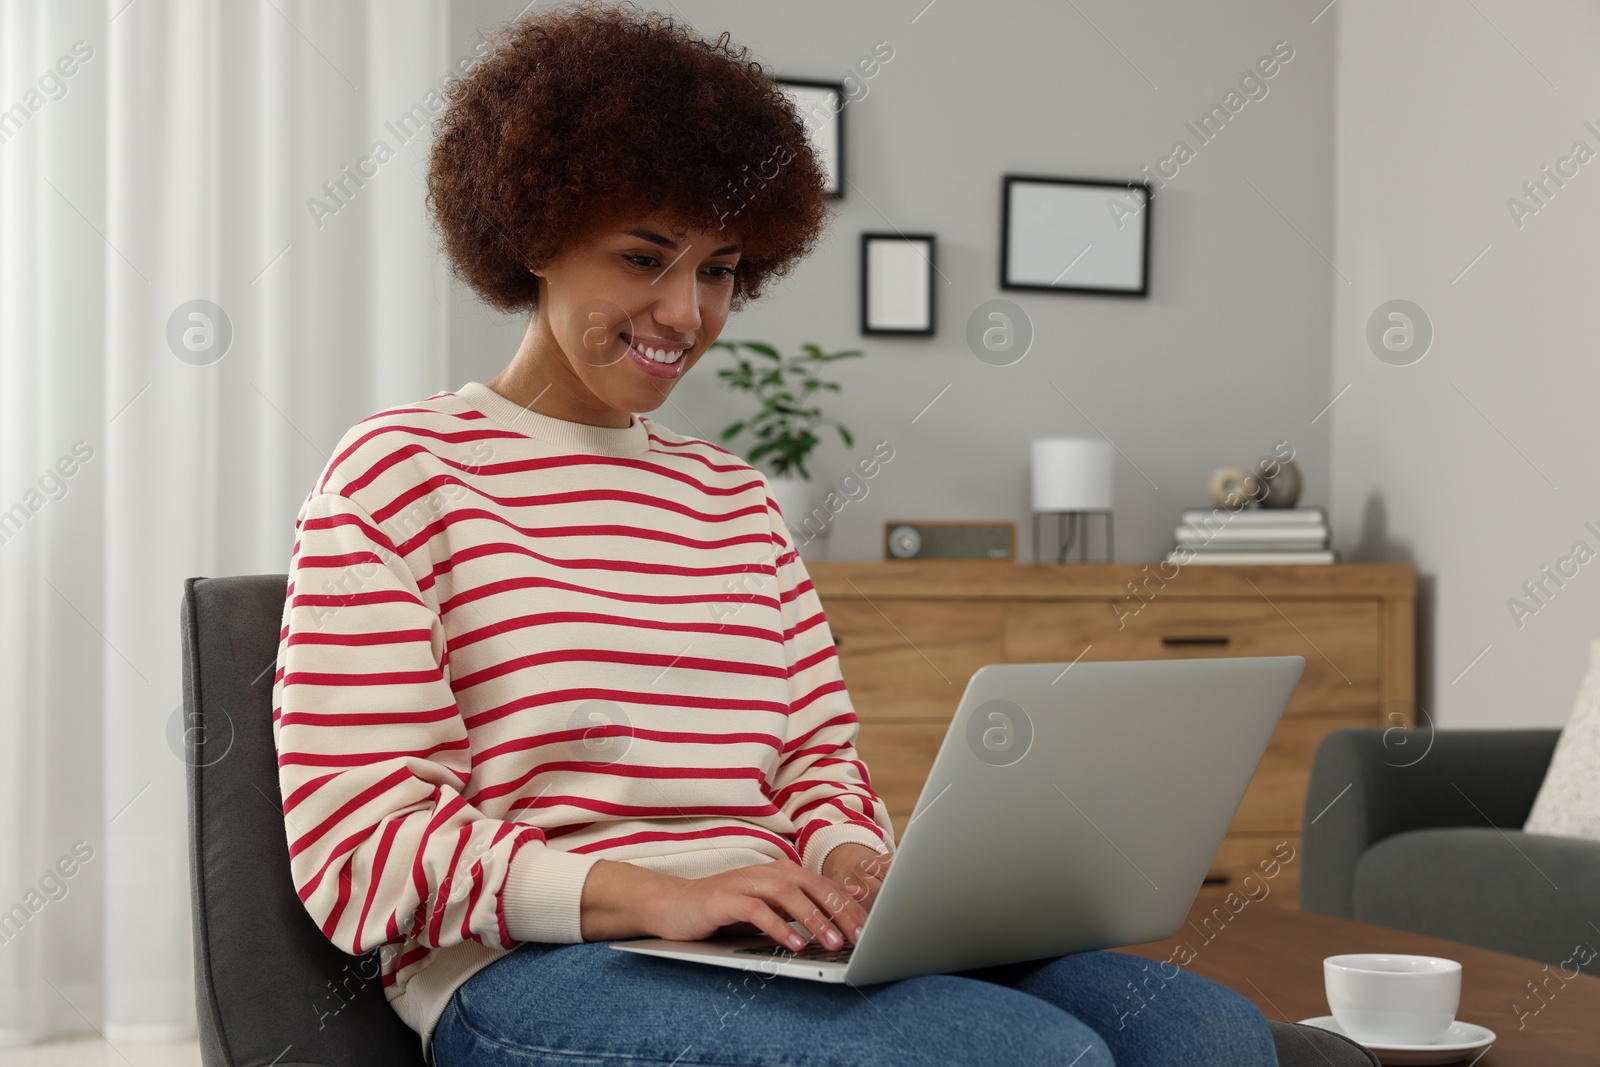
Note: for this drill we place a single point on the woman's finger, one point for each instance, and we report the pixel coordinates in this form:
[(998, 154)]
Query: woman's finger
[(772, 924), (844, 908), (800, 906)]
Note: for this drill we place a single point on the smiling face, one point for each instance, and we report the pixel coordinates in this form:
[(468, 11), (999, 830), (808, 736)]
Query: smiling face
[(629, 310)]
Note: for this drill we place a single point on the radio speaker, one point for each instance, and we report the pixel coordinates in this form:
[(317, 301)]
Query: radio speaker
[(950, 540)]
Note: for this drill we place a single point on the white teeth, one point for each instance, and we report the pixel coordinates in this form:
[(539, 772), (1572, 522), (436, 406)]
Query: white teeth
[(657, 354)]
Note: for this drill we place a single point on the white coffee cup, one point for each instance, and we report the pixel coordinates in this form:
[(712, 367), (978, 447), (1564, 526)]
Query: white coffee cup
[(1390, 999)]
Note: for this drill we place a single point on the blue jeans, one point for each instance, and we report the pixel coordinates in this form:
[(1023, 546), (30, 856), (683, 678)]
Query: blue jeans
[(588, 1005)]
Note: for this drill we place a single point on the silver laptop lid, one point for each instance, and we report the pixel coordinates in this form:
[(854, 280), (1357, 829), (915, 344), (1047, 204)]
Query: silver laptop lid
[(1121, 778)]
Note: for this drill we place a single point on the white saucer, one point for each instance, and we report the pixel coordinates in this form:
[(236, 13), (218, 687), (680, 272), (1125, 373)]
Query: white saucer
[(1456, 1043)]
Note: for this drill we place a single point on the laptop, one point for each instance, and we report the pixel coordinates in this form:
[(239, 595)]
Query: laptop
[(1072, 806)]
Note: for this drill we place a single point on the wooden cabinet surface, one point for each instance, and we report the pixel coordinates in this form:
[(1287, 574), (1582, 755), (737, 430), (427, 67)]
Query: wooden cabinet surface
[(910, 634)]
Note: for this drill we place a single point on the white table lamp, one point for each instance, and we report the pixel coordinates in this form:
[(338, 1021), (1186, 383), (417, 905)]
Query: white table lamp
[(1072, 479)]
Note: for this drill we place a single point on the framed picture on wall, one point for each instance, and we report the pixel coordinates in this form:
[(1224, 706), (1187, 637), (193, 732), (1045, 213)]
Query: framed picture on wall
[(897, 283), (821, 107), (1076, 235)]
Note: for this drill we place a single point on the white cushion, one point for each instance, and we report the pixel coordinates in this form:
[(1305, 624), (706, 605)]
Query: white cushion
[(1568, 804)]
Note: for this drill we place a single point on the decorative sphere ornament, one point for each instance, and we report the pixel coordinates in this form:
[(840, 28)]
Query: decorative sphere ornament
[(1234, 487), (1283, 481)]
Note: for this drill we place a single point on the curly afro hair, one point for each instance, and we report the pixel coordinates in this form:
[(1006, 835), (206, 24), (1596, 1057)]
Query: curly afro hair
[(583, 115)]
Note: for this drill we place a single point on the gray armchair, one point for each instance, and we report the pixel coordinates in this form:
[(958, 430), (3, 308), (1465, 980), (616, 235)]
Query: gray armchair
[(270, 989), (1421, 830)]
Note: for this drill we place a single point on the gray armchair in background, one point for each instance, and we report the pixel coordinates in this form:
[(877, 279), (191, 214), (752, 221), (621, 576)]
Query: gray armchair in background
[(1421, 830)]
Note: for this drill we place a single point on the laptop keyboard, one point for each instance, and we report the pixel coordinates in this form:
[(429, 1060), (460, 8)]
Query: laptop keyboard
[(812, 951)]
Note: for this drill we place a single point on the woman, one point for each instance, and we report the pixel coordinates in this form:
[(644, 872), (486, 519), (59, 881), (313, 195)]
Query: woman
[(553, 674)]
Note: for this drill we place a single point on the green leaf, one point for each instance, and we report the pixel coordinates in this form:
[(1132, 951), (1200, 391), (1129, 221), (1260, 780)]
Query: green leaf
[(784, 428)]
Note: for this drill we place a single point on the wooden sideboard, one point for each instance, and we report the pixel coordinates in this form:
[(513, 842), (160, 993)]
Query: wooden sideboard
[(911, 632)]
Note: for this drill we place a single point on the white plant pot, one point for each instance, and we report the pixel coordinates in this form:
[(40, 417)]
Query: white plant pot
[(796, 497)]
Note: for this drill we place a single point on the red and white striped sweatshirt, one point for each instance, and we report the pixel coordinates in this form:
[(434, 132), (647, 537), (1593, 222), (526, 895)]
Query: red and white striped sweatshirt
[(513, 645)]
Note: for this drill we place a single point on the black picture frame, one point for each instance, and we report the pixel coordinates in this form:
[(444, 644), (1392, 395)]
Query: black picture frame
[(832, 129), (1142, 193), (929, 266)]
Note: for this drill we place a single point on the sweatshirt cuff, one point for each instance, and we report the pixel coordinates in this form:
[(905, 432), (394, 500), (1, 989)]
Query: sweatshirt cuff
[(542, 894), (830, 837)]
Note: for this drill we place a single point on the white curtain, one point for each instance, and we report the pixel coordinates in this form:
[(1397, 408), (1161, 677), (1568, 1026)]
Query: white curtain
[(154, 153)]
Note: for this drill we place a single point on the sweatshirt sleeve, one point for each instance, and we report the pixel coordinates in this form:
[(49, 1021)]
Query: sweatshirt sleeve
[(374, 762), (821, 783)]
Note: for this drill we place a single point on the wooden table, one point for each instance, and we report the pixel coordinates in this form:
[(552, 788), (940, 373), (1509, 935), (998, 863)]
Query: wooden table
[(1274, 956)]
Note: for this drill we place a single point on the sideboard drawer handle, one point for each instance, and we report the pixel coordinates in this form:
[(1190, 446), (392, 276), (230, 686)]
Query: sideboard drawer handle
[(1172, 642)]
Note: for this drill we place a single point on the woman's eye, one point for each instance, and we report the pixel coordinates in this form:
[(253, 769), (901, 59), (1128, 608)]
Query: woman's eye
[(720, 272)]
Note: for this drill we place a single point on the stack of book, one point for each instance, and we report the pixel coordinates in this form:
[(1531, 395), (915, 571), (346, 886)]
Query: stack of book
[(1252, 535)]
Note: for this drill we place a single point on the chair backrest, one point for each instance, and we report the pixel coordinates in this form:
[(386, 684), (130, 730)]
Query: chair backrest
[(269, 987)]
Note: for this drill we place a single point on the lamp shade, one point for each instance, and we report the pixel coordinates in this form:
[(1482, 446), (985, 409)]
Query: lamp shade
[(1071, 474)]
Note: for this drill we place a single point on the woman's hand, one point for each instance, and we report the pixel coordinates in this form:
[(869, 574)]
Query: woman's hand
[(760, 899), (859, 868)]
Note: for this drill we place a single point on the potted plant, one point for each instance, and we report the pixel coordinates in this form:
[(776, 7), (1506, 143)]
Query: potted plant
[(785, 425)]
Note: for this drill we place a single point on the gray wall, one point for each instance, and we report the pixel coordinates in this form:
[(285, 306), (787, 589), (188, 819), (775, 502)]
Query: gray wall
[(1477, 461), (1227, 356)]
